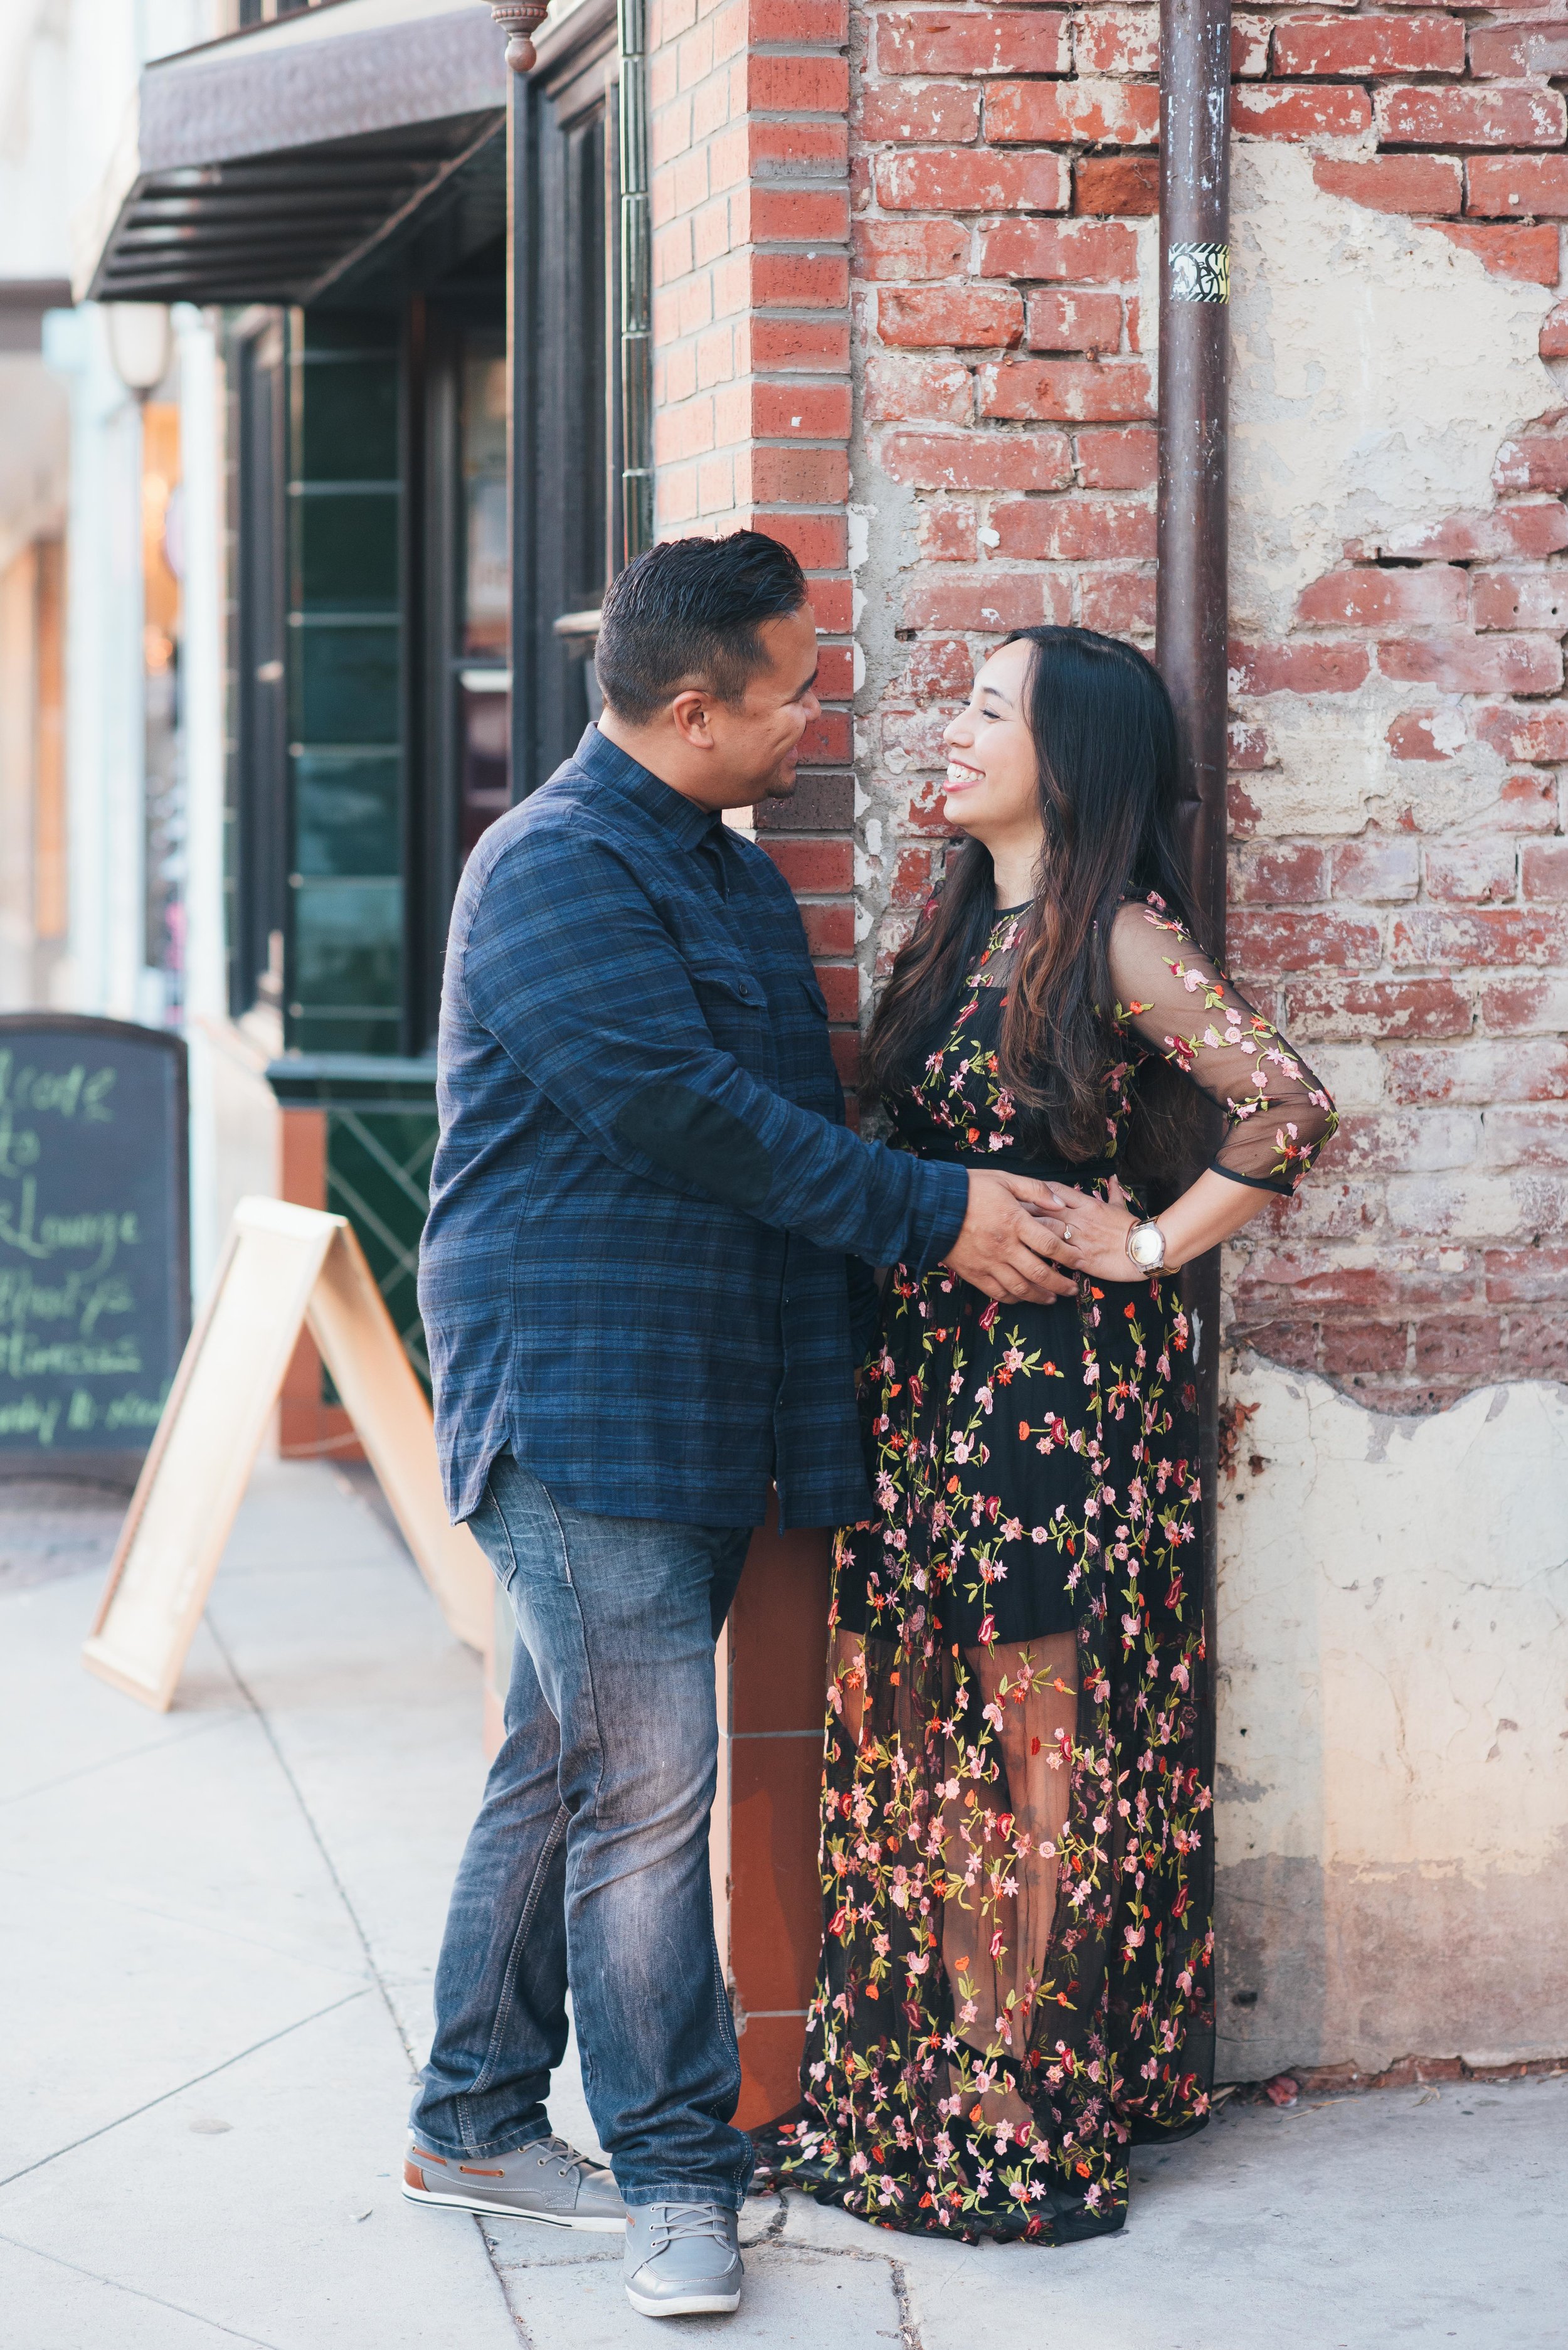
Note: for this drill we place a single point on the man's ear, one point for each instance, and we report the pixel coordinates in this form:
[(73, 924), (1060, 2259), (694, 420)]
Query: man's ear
[(689, 715)]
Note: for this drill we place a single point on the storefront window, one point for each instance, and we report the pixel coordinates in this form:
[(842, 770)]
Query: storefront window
[(485, 678)]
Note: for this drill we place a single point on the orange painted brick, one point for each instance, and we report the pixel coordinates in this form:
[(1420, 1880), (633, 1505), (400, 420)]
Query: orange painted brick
[(814, 411), (1073, 113), (840, 985), (1299, 110), (912, 110), (1520, 599), (1091, 251), (832, 606), (805, 151), (834, 672), (825, 867), (1069, 390), (1073, 529), (1494, 115), (773, 476), (967, 318), (1462, 663), (829, 929), (956, 179), (1125, 185), (796, 216), (989, 600), (1501, 185), (818, 24), (805, 84), (811, 346), (1369, 44), (1074, 322), (1530, 255), (903, 390), (1396, 183), (1118, 458), (1371, 597), (973, 41), (906, 252), (978, 461)]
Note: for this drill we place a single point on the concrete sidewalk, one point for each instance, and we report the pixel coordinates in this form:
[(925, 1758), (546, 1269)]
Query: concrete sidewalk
[(216, 1936)]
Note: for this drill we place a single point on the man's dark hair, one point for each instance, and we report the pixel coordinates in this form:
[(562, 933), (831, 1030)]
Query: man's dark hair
[(687, 613)]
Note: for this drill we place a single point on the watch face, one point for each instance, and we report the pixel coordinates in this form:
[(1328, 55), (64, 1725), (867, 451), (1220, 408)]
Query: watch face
[(1147, 1248)]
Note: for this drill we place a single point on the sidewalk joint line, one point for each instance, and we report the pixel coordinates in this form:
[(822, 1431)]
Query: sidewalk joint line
[(179, 2090), (114, 2285), (134, 1754)]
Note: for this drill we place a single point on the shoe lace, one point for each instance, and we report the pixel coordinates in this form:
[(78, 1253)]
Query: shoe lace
[(671, 2224), (569, 2163)]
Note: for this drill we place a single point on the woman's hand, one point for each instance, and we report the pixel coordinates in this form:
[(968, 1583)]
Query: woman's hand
[(1088, 1235)]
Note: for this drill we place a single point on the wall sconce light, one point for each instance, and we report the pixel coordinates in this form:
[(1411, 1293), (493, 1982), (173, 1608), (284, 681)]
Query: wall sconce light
[(140, 344)]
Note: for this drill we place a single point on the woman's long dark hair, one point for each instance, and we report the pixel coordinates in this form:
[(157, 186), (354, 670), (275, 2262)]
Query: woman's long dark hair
[(1104, 740)]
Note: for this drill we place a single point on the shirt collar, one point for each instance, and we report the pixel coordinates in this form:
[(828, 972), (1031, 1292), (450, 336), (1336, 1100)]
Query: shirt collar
[(615, 769)]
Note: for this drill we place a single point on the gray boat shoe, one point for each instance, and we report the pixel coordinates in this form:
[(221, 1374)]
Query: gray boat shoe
[(682, 2259), (548, 2180)]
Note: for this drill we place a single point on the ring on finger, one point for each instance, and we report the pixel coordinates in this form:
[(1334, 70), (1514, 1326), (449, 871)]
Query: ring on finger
[(1067, 1231)]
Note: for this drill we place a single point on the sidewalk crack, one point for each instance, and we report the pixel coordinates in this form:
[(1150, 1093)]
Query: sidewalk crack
[(115, 2284)]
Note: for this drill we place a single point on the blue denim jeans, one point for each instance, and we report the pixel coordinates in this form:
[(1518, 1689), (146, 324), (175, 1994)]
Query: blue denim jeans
[(588, 1861)]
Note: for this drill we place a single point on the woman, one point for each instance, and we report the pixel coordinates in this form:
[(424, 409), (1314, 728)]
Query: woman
[(1014, 1981)]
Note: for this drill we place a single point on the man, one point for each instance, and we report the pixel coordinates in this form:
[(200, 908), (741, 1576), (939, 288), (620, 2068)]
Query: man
[(635, 1289)]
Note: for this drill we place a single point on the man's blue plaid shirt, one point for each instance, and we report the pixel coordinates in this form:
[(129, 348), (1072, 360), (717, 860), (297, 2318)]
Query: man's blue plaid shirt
[(635, 1273)]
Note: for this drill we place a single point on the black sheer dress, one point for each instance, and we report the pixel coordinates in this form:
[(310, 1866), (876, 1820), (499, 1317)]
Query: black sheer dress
[(1015, 1970)]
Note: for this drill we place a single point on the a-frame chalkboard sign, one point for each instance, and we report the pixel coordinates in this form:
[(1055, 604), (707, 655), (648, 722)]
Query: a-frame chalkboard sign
[(95, 1267)]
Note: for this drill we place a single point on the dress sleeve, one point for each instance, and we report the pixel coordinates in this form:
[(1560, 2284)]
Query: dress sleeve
[(1179, 1003)]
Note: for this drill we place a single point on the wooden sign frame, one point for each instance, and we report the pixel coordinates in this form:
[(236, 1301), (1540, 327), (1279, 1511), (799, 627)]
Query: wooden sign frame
[(284, 1268)]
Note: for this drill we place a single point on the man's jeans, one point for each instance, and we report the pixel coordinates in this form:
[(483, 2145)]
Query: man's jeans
[(588, 1861)]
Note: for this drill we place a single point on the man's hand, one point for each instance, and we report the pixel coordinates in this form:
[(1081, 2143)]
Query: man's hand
[(1000, 1251)]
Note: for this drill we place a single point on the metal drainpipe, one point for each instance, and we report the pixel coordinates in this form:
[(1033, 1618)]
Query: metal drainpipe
[(635, 283), (1193, 607)]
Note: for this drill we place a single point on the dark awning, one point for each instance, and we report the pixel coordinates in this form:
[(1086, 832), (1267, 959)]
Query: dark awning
[(268, 166)]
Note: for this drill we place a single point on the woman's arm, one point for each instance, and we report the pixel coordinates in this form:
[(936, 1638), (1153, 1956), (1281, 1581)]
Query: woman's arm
[(1278, 1117)]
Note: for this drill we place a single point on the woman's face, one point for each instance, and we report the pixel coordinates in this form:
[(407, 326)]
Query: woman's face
[(992, 787)]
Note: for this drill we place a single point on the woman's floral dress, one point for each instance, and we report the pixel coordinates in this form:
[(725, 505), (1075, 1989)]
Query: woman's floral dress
[(1014, 1981)]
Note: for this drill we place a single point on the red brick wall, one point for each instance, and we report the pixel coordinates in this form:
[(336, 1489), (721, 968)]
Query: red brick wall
[(751, 399), (1002, 164)]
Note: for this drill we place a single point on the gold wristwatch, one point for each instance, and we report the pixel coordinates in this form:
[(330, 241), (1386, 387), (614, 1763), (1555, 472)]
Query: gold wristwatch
[(1145, 1246)]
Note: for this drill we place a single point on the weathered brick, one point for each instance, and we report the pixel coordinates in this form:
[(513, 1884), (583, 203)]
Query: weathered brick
[(1537, 737), (1289, 1342), (784, 344), (900, 389), (1491, 116), (1537, 1276), (1264, 944), (947, 532), (1390, 1008), (941, 667), (1465, 1344), (1279, 873), (1116, 41), (822, 24), (1525, 803), (1396, 183), (1123, 186), (1432, 935), (766, 475), (1511, 51), (1536, 1136), (1523, 526), (1349, 1348), (960, 179), (1298, 668), (910, 251), (1299, 110), (1520, 599), (1479, 872), (1462, 663), (1530, 255), (1073, 529), (1545, 869), (1118, 603), (817, 541), (1532, 461), (1081, 250), (829, 929), (973, 41), (1508, 186), (817, 411), (1074, 322), (1425, 735), (1069, 390), (922, 109), (1538, 1344), (979, 460), (1073, 113), (1118, 457), (1247, 752), (819, 803), (1378, 869), (989, 600), (797, 148), (965, 317), (1368, 46), (1370, 598)]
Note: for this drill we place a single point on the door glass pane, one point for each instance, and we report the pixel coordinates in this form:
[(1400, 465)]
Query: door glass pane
[(487, 581)]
